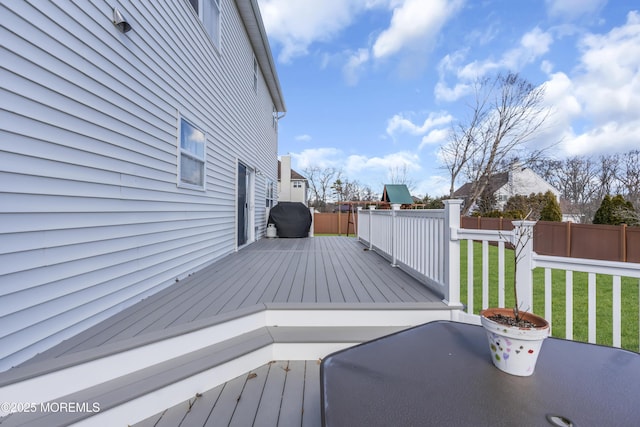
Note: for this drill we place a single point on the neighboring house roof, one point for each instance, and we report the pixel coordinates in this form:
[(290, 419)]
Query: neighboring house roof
[(250, 13), (397, 193), (294, 175), (495, 182), (519, 180)]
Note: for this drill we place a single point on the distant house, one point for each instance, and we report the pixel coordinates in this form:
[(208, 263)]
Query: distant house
[(130, 159), (292, 186), (397, 194), (519, 180)]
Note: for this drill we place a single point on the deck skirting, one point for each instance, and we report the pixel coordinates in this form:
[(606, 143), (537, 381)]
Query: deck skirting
[(169, 370), (277, 299)]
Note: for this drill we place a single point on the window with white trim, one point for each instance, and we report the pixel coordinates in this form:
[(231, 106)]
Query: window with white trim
[(191, 165), (270, 193), (209, 13)]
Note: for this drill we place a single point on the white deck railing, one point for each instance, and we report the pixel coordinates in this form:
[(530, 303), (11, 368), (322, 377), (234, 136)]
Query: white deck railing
[(417, 242), (426, 243)]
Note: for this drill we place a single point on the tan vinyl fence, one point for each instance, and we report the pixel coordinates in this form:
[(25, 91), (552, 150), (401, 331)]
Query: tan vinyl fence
[(335, 223), (566, 239)]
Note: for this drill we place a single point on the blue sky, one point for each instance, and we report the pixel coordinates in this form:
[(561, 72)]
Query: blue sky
[(373, 85)]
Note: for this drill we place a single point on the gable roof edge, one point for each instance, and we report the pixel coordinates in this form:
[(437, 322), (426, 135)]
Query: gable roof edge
[(252, 19)]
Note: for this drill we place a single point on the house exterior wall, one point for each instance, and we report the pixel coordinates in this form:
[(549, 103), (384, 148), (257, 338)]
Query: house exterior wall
[(91, 216), (290, 189), (299, 191), (523, 181)]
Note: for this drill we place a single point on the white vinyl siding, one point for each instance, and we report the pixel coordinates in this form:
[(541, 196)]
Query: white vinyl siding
[(91, 218)]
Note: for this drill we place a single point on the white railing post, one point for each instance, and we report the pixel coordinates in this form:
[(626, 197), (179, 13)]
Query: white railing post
[(311, 230), (452, 251), (371, 209), (357, 220), (523, 242), (395, 207)]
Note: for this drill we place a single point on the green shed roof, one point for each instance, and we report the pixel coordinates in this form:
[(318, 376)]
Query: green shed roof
[(397, 193)]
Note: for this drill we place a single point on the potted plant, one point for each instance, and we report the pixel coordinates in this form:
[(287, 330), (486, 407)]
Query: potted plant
[(515, 336)]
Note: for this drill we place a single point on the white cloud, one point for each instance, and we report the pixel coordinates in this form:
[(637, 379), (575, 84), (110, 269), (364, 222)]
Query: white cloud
[(436, 136), (559, 94), (400, 124), (296, 24), (433, 185), (320, 157), (533, 45), (606, 88), (612, 137), (368, 170), (448, 94), (356, 164), (354, 65), (303, 138), (610, 84), (413, 24), (572, 9)]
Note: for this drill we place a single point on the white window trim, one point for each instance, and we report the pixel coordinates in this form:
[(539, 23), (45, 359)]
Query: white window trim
[(271, 193), (255, 75), (201, 11), (182, 151)]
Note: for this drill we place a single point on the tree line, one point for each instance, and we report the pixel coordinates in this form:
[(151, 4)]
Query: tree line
[(585, 181), (328, 185)]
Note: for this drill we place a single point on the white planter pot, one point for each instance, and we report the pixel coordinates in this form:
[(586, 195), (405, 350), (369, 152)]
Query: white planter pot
[(514, 350)]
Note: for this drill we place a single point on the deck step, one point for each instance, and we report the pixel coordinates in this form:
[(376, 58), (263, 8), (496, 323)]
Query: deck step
[(135, 396)]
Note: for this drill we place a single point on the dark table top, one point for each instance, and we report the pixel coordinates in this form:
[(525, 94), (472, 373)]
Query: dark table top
[(441, 374)]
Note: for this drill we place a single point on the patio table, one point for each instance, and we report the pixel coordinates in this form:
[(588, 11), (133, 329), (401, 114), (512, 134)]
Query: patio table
[(440, 374)]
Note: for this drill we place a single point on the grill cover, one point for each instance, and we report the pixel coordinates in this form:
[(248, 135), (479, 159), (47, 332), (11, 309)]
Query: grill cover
[(292, 219)]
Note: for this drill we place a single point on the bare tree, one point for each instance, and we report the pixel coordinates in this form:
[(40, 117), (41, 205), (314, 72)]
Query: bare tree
[(507, 113), (578, 180), (629, 177), (365, 193), (346, 190), (320, 181), (609, 164), (400, 175)]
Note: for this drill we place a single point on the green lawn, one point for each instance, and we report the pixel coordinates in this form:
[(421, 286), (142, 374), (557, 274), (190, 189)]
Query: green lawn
[(604, 316)]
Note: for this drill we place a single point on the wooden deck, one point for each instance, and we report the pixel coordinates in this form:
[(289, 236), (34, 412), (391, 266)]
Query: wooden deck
[(329, 270), (339, 293), (280, 393)]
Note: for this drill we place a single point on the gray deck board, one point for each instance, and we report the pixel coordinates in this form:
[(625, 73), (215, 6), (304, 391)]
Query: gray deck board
[(311, 270), (292, 395), (311, 411), (280, 393), (323, 270), (226, 404), (245, 412), (268, 409), (200, 410)]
